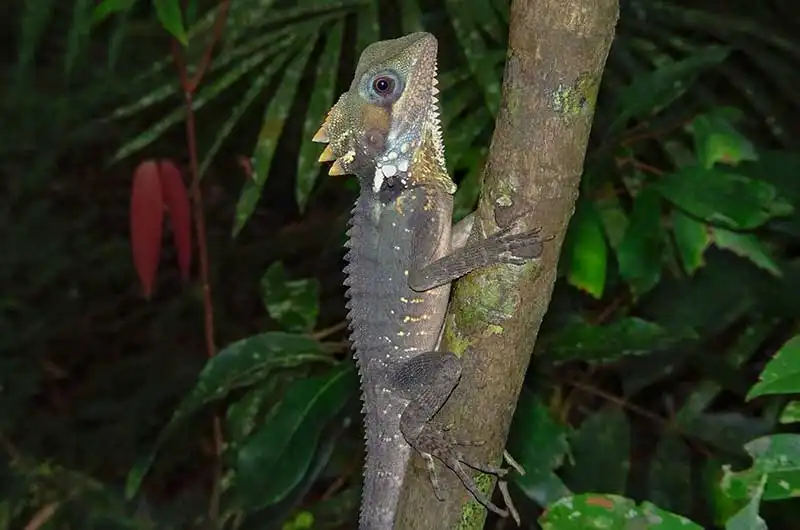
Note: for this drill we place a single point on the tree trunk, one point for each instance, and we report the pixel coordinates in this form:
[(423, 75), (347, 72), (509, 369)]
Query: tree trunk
[(556, 55)]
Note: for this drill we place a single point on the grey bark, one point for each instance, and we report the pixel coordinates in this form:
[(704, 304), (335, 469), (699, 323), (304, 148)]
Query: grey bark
[(556, 55)]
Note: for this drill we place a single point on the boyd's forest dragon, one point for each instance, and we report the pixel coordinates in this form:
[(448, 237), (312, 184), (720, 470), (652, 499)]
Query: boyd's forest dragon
[(385, 129)]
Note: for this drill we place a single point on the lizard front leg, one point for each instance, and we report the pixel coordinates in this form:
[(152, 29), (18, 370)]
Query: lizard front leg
[(501, 247), (427, 381)]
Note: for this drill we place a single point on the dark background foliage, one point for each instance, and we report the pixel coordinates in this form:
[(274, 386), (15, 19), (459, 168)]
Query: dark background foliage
[(678, 282)]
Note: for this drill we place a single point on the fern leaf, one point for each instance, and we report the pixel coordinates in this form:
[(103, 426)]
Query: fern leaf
[(206, 94), (271, 129), (322, 98)]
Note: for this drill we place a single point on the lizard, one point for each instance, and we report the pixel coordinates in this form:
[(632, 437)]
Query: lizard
[(400, 262)]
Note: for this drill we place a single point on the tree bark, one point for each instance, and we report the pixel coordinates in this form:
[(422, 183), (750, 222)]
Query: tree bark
[(556, 55)]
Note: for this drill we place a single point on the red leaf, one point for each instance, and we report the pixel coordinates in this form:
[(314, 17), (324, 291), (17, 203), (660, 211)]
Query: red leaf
[(177, 203), (147, 217)]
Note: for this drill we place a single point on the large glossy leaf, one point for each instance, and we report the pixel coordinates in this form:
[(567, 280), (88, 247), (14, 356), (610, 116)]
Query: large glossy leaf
[(748, 517), (790, 413), (600, 344), (593, 511), (242, 415), (747, 246), (649, 93), (778, 458), (539, 444), (728, 431), (716, 140), (731, 200), (601, 453), (640, 253), (293, 303), (588, 252), (692, 238), (240, 364), (280, 452), (669, 477), (782, 373)]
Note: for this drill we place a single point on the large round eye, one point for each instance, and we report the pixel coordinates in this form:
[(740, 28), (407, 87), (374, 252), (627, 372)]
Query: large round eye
[(383, 85)]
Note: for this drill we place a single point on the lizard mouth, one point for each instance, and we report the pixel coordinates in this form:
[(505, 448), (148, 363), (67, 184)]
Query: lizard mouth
[(327, 155)]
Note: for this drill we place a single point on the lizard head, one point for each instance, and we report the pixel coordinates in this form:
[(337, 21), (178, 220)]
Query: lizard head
[(385, 129)]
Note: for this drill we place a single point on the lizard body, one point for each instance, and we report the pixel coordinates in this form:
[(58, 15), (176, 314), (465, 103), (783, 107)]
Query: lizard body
[(385, 130)]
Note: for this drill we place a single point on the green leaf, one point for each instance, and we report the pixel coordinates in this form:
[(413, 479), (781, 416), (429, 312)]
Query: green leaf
[(171, 18), (322, 98), (412, 17), (479, 58), (462, 142), (241, 415), (613, 215), (728, 431), (277, 457), (34, 20), (790, 413), (601, 453), (601, 344), (691, 239), (256, 89), (776, 457), (469, 189), (78, 33), (588, 251), (293, 303), (747, 518), (670, 475), (207, 93), (728, 199), (716, 140), (275, 117), (539, 444), (649, 93), (106, 8), (640, 252), (746, 246), (610, 512), (240, 364), (782, 373), (368, 24)]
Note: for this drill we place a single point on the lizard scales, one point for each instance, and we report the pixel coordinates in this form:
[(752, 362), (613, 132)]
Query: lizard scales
[(385, 129)]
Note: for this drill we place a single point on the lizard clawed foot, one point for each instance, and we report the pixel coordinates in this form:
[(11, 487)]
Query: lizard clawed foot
[(516, 249), (433, 473), (433, 442)]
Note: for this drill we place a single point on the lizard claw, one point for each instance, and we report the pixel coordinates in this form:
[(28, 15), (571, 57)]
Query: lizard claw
[(433, 473), (432, 442), (516, 249)]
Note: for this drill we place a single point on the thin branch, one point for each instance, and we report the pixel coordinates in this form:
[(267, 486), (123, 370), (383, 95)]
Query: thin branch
[(327, 332), (205, 61), (189, 86), (42, 516)]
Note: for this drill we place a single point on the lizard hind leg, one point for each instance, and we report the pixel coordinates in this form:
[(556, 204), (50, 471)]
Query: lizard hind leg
[(427, 381)]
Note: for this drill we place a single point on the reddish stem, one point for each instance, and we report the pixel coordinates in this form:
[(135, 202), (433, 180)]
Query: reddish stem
[(189, 87)]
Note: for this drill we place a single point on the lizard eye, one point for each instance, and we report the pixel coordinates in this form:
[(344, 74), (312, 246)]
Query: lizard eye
[(385, 86)]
